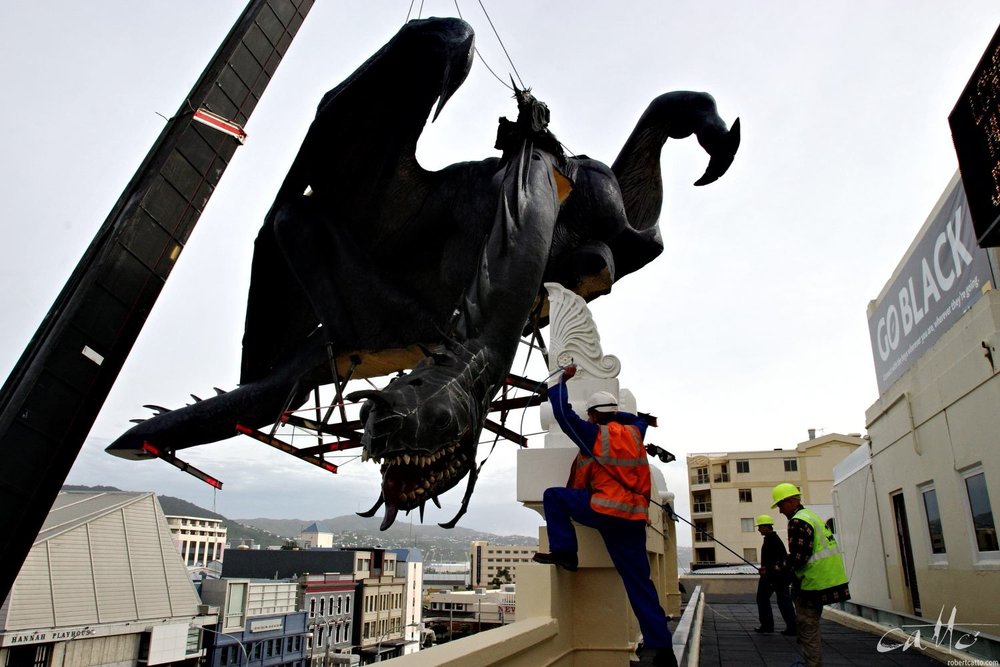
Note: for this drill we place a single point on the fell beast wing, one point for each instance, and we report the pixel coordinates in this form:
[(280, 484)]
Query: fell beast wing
[(358, 158)]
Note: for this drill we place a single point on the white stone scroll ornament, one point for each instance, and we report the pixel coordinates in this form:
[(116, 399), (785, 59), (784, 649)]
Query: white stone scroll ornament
[(573, 337)]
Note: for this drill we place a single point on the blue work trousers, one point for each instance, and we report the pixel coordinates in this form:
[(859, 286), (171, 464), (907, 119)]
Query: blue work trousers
[(626, 544)]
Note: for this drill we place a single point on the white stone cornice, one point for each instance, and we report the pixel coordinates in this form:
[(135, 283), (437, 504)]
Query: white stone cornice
[(573, 337)]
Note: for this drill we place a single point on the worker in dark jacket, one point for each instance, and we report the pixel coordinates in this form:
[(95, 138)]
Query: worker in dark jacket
[(774, 579)]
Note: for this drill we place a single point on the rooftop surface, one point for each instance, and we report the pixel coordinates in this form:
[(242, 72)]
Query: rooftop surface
[(728, 638)]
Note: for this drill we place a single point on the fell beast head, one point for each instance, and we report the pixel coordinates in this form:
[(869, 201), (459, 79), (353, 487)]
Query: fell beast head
[(424, 426)]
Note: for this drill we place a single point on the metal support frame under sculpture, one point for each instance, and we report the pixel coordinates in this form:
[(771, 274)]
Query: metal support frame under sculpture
[(383, 266)]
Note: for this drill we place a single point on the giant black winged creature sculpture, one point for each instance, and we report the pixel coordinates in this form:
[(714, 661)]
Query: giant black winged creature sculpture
[(369, 257)]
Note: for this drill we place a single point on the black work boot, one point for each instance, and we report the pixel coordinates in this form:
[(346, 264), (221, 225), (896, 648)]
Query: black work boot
[(564, 559), (657, 657)]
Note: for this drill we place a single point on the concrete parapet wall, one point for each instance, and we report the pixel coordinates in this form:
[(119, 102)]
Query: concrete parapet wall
[(728, 584)]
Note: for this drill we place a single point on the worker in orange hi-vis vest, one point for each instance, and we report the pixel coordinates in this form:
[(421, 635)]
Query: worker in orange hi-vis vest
[(608, 490)]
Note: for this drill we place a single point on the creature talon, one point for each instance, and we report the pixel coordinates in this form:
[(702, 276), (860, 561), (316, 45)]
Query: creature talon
[(370, 513)]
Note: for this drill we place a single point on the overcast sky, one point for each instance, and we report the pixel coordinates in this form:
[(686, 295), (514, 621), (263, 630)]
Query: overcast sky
[(747, 331)]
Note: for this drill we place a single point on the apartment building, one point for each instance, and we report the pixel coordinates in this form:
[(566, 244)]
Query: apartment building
[(314, 537), (729, 489), (199, 540), (259, 623), (478, 609), (410, 566), (377, 630), (490, 562), (328, 599)]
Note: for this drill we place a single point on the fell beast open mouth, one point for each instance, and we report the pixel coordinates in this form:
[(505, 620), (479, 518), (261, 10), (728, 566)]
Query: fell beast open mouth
[(423, 428), (410, 479)]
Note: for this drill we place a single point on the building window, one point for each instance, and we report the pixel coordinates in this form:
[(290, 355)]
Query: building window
[(322, 606), (933, 514), (32, 655), (746, 525), (750, 555), (701, 476), (791, 465), (701, 531), (746, 496), (702, 502), (742, 465), (230, 655), (982, 512), (723, 475), (312, 607), (235, 604)]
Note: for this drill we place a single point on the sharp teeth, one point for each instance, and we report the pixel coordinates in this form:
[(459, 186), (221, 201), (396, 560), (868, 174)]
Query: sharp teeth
[(419, 492), (427, 484), (404, 497), (406, 459), (364, 455)]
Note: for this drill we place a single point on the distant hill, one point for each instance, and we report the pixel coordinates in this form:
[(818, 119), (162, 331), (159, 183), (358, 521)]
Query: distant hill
[(236, 533), (435, 543)]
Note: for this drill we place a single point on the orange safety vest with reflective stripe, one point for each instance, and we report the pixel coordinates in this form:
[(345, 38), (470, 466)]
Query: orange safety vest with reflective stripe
[(620, 485)]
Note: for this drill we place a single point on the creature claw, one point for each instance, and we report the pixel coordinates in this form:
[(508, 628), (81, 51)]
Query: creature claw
[(370, 394), (723, 153), (473, 475), (436, 501), (422, 512), (158, 409), (370, 513), (390, 516)]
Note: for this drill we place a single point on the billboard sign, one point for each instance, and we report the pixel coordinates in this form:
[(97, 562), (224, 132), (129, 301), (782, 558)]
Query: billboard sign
[(941, 276)]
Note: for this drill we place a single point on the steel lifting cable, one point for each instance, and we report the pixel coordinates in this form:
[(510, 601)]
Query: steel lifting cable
[(479, 55), (516, 73), (409, 11)]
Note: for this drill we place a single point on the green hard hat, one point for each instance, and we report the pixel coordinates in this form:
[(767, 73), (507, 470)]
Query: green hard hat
[(782, 491), (763, 520)]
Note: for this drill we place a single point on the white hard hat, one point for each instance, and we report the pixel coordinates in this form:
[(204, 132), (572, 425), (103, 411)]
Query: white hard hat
[(602, 401)]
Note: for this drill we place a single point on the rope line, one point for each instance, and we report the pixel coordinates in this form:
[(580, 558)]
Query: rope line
[(516, 73), (480, 56)]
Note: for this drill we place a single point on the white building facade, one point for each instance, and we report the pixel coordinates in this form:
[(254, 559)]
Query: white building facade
[(915, 508), (496, 562), (102, 585), (199, 540)]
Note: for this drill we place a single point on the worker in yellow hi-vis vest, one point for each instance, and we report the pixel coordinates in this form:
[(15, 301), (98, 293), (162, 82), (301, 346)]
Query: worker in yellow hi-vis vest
[(819, 577)]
